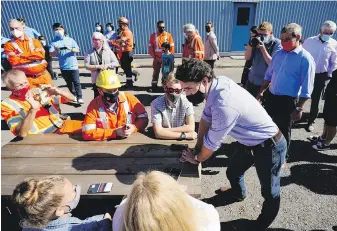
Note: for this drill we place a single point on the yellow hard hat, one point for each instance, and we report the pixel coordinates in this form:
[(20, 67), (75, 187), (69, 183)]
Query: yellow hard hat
[(108, 80)]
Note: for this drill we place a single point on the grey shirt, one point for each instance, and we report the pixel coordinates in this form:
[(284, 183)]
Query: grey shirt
[(259, 66), (171, 117), (91, 58), (232, 110)]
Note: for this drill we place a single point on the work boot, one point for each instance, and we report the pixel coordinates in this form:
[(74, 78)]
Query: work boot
[(54, 76), (135, 73)]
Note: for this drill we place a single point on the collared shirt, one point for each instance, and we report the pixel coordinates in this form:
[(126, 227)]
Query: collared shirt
[(74, 224), (259, 66), (3, 41), (171, 116), (291, 73), (234, 111), (67, 58), (31, 33), (324, 54)]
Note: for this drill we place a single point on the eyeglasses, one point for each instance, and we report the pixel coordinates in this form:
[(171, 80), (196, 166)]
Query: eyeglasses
[(21, 85), (174, 90)]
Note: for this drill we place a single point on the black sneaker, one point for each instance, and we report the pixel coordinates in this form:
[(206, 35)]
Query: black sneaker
[(321, 146), (315, 138)]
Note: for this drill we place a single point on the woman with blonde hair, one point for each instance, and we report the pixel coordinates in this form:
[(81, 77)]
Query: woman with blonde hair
[(158, 203), (45, 204)]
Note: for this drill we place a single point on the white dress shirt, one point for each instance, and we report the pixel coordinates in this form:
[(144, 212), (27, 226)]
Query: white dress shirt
[(324, 54)]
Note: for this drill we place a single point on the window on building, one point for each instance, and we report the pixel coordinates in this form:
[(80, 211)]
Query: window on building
[(243, 16)]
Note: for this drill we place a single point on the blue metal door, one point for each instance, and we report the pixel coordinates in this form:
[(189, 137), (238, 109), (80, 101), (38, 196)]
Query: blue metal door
[(244, 15)]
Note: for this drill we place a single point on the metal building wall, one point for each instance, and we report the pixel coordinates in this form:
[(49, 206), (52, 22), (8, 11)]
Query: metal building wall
[(79, 18), (309, 14)]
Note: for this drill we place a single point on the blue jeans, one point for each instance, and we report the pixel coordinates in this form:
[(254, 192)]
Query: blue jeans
[(72, 78), (268, 161)]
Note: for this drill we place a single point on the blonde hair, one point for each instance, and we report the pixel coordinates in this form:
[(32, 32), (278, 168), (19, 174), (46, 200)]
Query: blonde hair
[(171, 79), (7, 77), (38, 199), (158, 203), (266, 26)]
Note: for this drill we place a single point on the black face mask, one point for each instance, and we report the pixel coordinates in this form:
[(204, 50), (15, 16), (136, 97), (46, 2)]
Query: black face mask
[(197, 98), (111, 98), (161, 29), (208, 29)]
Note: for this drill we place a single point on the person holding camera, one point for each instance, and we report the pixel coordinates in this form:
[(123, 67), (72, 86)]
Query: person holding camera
[(290, 79), (35, 111), (260, 50), (65, 48), (323, 49)]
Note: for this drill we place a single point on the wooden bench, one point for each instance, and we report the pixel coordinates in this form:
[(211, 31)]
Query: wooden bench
[(90, 162)]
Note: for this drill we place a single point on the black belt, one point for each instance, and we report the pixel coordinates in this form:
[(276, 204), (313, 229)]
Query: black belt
[(273, 140)]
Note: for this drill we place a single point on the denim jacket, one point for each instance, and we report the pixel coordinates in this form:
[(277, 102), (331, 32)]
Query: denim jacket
[(95, 223)]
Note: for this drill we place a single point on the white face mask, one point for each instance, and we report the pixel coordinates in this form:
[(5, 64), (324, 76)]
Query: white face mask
[(59, 33), (17, 33), (98, 28)]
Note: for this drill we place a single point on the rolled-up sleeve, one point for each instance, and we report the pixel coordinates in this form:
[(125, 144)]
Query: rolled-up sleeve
[(308, 67), (223, 120)]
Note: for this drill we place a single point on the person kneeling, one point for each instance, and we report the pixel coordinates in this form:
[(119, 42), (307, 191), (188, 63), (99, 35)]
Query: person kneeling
[(35, 111), (113, 114), (172, 113), (45, 204)]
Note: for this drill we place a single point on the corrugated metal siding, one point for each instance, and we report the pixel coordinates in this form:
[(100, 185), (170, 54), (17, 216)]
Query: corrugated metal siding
[(79, 18), (309, 14)]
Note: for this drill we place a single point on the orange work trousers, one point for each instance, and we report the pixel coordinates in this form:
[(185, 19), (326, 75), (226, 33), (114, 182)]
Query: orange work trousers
[(70, 127), (44, 78)]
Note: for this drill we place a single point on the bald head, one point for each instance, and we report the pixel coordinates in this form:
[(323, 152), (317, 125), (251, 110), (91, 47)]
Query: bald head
[(15, 79)]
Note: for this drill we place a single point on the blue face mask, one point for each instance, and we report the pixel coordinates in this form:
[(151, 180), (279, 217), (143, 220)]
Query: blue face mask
[(325, 37), (59, 33), (109, 29)]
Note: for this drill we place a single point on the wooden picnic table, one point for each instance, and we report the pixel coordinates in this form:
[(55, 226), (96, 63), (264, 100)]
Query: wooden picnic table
[(92, 162)]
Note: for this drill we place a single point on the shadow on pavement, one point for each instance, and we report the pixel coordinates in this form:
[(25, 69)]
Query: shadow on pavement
[(235, 225), (318, 178), (146, 99), (4, 126), (302, 151)]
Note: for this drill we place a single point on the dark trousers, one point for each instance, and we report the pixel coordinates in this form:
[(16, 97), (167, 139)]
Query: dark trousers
[(321, 81), (5, 64), (126, 60), (50, 69), (210, 62), (245, 72), (268, 159), (280, 108), (94, 88), (156, 65), (252, 88), (72, 78)]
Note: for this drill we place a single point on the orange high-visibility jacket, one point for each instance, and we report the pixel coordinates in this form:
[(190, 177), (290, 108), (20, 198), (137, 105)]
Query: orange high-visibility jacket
[(29, 55), (125, 43), (156, 41), (100, 123), (194, 47)]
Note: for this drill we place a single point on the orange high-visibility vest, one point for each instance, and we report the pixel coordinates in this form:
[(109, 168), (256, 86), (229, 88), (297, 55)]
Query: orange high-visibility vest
[(194, 48), (156, 41), (29, 56)]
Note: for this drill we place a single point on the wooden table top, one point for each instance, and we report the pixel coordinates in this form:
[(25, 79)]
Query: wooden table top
[(91, 162)]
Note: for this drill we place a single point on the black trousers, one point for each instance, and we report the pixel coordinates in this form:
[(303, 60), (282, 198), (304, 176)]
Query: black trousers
[(210, 62), (252, 88), (126, 60), (5, 64), (94, 88), (321, 81), (280, 108)]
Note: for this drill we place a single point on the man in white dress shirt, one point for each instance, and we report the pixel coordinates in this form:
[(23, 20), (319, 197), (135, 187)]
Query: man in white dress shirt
[(323, 49)]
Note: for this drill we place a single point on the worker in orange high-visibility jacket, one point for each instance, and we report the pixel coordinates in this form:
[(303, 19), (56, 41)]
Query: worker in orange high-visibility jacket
[(113, 113), (155, 49), (124, 46), (33, 111), (193, 46), (27, 54)]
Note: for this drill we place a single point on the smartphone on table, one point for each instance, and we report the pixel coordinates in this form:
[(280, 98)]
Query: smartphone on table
[(100, 188)]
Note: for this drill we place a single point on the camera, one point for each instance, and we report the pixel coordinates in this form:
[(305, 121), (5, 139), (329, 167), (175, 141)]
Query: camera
[(256, 40)]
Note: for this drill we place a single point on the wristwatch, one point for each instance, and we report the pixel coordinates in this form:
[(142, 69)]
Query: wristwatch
[(182, 136)]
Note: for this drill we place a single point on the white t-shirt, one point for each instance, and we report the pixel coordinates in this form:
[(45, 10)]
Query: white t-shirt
[(210, 215)]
